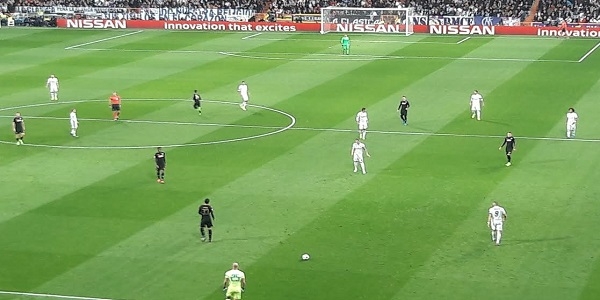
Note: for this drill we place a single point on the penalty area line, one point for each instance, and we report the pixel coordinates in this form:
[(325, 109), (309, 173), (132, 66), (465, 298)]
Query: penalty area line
[(103, 40), (463, 40), (251, 36), (54, 296), (589, 53)]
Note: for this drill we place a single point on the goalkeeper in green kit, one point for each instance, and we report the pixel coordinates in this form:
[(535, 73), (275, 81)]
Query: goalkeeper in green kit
[(345, 44)]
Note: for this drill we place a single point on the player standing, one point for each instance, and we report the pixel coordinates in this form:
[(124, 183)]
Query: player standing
[(495, 220), (160, 159), (18, 126), (74, 122), (345, 41), (52, 86), (476, 105), (571, 123), (197, 105), (115, 105), (563, 29), (362, 119), (243, 90), (207, 215), (358, 149), (511, 145), (234, 283), (403, 109)]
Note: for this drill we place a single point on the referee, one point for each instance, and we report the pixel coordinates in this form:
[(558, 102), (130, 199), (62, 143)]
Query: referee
[(510, 145)]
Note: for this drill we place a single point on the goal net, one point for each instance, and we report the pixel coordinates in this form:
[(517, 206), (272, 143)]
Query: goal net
[(367, 20)]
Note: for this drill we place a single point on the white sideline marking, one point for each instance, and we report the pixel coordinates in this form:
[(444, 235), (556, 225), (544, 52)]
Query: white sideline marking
[(356, 41), (334, 57), (55, 296), (463, 40), (251, 36), (104, 40), (589, 52)]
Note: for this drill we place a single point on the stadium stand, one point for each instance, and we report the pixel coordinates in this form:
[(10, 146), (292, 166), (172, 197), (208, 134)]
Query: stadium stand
[(573, 11)]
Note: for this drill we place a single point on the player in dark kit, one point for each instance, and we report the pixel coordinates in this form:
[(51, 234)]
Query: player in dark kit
[(403, 109), (197, 105), (511, 145), (18, 126), (207, 216), (160, 159)]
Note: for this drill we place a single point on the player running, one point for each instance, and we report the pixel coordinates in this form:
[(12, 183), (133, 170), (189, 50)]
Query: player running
[(495, 220), (52, 86), (476, 105), (207, 215), (358, 149), (115, 105), (74, 122), (362, 119), (345, 41), (234, 283), (243, 90), (160, 159), (571, 123), (18, 127), (403, 109), (197, 105), (511, 145)]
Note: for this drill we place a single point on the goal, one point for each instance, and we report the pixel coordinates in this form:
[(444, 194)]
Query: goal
[(367, 20)]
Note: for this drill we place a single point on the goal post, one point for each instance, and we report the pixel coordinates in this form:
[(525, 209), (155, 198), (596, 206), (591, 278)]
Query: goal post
[(367, 20)]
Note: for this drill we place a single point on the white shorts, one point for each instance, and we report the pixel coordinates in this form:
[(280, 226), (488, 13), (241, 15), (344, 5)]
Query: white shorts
[(475, 108), (53, 89), (244, 97), (571, 126), (496, 226), (358, 158), (362, 126), (74, 124)]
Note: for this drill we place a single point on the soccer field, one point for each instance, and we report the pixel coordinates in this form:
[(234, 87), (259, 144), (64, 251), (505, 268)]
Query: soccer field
[(84, 218)]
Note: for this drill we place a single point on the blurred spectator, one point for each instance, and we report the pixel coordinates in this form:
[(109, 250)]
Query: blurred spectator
[(551, 12)]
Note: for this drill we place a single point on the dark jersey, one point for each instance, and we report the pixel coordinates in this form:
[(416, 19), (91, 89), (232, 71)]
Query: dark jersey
[(18, 121), (196, 98), (404, 105), (206, 211), (160, 158), (509, 142)]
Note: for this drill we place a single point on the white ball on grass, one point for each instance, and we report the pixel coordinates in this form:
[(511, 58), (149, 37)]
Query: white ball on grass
[(305, 256)]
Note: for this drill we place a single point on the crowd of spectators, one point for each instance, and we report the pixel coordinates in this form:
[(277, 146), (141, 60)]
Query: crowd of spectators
[(549, 11)]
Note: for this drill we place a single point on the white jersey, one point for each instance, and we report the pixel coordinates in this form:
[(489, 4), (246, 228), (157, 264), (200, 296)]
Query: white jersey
[(476, 100), (235, 280), (52, 84), (362, 118), (497, 214), (73, 119), (572, 118), (358, 150)]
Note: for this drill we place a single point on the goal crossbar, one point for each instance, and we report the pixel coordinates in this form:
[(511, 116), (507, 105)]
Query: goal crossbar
[(367, 20)]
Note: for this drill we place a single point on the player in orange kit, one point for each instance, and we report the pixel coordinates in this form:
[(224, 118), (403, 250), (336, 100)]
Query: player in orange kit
[(115, 105)]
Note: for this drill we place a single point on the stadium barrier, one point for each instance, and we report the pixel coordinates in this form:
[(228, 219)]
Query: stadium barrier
[(582, 31)]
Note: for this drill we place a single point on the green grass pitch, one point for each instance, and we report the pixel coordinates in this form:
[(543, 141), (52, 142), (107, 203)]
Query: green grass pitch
[(84, 217)]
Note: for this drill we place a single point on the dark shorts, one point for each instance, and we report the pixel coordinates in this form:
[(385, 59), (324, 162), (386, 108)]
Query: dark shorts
[(160, 167), (116, 107), (196, 105), (563, 30), (19, 131), (403, 112), (206, 223), (509, 150)]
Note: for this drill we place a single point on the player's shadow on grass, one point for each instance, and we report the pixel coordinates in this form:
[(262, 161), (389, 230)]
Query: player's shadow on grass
[(538, 240), (546, 161), (495, 122)]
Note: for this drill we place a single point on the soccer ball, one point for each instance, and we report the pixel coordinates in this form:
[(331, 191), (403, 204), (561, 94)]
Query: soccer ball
[(322, 32), (305, 256)]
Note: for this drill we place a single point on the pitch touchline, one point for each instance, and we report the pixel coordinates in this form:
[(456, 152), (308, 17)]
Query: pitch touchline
[(325, 129), (104, 40), (55, 296)]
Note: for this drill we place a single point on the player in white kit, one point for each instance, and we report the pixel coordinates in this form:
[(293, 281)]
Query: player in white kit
[(243, 90), (476, 105), (358, 150), (234, 283), (74, 122), (496, 218), (571, 123), (52, 85), (363, 123)]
